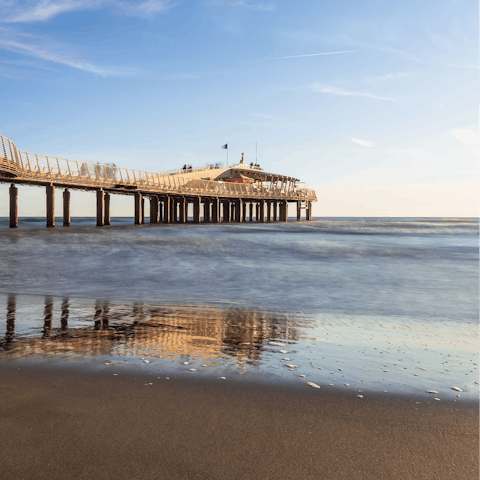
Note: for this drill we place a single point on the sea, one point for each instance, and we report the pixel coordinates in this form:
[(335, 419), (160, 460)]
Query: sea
[(383, 306)]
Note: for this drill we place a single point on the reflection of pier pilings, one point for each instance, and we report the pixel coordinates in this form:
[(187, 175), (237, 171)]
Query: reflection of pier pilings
[(11, 310), (48, 317), (143, 329), (64, 317), (101, 315)]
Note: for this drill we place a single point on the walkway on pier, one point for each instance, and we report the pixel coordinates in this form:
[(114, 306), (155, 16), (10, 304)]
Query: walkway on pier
[(169, 193)]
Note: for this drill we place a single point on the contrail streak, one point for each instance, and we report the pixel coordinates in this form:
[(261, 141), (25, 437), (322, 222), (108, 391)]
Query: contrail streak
[(316, 54)]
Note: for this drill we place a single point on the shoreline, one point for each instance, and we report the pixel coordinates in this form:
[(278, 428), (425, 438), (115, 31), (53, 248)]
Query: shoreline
[(80, 423)]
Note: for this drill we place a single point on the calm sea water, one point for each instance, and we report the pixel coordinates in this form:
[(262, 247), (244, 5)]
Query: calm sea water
[(378, 304)]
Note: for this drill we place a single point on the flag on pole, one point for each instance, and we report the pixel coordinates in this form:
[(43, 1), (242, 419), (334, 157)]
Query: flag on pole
[(225, 147)]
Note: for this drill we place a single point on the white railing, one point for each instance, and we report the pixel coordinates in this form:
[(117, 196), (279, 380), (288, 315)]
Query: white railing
[(42, 168)]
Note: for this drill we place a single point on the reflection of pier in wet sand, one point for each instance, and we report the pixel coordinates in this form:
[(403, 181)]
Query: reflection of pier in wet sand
[(147, 329)]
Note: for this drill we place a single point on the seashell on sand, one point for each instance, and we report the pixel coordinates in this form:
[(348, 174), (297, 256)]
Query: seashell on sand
[(457, 389), (314, 385)]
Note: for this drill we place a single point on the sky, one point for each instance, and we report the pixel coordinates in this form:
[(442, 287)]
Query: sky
[(374, 104)]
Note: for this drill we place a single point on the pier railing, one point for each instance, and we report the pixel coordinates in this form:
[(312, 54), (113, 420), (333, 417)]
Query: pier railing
[(42, 169)]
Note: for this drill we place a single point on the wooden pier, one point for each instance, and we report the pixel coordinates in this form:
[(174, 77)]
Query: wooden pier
[(238, 193)]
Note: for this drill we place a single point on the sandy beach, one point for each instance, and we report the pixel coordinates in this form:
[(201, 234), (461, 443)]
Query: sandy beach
[(72, 422)]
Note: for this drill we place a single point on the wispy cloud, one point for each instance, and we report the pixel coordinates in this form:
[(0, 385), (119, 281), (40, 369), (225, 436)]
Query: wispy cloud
[(359, 141), (388, 76), (51, 51), (47, 9), (268, 117), (265, 7), (466, 136), (315, 54), (317, 87)]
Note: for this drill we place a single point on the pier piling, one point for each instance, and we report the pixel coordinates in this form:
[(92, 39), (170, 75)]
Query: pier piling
[(216, 210), (50, 192), (138, 208), (299, 210), (66, 207), (13, 190), (100, 208), (196, 209), (106, 203), (153, 209), (261, 210), (183, 210)]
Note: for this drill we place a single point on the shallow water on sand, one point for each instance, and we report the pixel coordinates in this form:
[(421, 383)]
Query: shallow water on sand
[(377, 304)]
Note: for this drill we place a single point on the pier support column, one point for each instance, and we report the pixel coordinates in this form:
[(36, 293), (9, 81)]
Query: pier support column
[(173, 210), (257, 211), (100, 208), (160, 210), (238, 210), (138, 208), (274, 211), (268, 207), (244, 211), (216, 210), (167, 210), (106, 203), (142, 214), (226, 211), (183, 210), (206, 210), (50, 191), (283, 211), (13, 190), (250, 211), (261, 210), (196, 210), (309, 210), (66, 207), (299, 210), (153, 209)]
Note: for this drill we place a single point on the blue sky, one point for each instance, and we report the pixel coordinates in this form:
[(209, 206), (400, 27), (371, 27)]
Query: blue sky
[(155, 84)]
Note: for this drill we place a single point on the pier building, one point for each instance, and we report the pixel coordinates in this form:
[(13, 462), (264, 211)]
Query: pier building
[(218, 193)]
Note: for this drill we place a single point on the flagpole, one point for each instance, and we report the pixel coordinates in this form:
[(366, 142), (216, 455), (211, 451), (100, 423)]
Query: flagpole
[(227, 154)]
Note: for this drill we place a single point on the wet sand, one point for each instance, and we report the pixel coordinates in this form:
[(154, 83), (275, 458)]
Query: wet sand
[(70, 422)]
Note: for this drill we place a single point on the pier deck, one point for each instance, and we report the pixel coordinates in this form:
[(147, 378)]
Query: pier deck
[(169, 192)]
